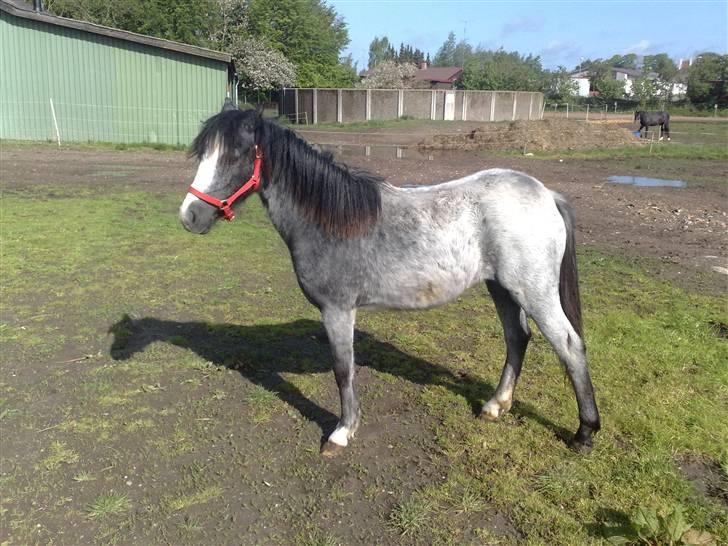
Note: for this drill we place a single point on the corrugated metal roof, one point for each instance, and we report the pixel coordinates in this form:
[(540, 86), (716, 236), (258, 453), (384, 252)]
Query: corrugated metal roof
[(23, 10)]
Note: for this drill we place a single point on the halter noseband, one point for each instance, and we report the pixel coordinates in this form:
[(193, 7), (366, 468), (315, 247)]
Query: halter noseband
[(250, 186)]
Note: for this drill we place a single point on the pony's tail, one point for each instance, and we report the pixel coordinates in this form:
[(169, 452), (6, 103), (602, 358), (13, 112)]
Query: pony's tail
[(568, 276)]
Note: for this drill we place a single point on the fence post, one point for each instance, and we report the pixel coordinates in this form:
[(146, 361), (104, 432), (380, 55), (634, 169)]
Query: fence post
[(432, 104), (369, 105), (587, 112), (339, 107), (315, 106), (400, 103), (530, 107), (492, 105), (515, 102), (465, 106), (567, 110), (295, 98)]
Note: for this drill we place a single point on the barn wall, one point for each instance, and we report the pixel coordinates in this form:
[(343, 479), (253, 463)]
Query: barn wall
[(103, 88)]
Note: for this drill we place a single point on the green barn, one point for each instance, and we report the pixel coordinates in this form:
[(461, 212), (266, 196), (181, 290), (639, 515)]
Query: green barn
[(75, 81)]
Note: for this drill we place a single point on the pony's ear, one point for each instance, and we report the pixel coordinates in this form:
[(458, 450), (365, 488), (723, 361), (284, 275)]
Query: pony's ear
[(228, 105)]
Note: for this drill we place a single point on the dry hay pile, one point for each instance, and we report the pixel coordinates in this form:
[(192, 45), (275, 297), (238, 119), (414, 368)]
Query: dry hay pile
[(543, 135)]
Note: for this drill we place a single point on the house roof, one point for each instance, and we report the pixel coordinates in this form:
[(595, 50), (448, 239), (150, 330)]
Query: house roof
[(579, 74), (631, 72), (22, 9), (441, 74)]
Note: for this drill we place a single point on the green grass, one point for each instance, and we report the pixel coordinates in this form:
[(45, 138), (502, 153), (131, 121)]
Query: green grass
[(59, 454), (656, 359), (95, 145), (110, 504), (660, 150), (411, 517)]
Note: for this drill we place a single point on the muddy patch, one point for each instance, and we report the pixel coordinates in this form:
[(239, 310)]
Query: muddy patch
[(530, 136), (707, 477)]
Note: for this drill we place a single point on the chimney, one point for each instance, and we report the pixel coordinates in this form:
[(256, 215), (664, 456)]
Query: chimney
[(423, 65)]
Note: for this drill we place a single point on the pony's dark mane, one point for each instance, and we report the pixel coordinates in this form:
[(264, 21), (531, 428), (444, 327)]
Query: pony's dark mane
[(345, 202)]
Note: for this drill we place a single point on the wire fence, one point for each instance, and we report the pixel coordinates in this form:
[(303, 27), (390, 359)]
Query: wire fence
[(614, 110), (713, 130)]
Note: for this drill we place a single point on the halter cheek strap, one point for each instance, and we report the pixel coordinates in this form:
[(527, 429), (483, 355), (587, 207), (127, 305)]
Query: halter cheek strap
[(225, 205)]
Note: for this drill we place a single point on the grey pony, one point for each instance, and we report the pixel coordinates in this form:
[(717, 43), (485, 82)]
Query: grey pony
[(415, 248)]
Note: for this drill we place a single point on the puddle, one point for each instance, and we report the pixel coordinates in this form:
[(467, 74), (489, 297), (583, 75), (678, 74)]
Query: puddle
[(379, 151), (647, 182)]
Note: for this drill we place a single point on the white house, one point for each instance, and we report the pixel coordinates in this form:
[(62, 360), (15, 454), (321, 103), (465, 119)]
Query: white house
[(582, 82), (626, 75)]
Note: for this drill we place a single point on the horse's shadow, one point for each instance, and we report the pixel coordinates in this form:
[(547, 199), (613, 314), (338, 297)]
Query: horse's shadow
[(262, 353)]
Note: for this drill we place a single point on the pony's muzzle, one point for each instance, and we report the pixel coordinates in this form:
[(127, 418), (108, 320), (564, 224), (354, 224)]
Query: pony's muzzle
[(196, 218)]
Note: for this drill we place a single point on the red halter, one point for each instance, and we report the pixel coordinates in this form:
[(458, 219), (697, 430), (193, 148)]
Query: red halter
[(250, 186)]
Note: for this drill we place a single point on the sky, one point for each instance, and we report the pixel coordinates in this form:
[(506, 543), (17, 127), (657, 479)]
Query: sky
[(560, 32)]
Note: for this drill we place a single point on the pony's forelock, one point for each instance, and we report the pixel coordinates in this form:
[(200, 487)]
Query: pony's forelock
[(222, 132)]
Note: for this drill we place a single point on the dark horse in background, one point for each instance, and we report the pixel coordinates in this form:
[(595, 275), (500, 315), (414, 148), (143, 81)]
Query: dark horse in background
[(357, 241), (652, 119)]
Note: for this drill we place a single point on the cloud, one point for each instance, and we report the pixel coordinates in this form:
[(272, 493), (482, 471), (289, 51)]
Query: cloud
[(557, 53), (523, 23), (640, 47)]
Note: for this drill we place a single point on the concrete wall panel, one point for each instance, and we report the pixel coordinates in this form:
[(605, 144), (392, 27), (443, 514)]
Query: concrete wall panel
[(384, 103)]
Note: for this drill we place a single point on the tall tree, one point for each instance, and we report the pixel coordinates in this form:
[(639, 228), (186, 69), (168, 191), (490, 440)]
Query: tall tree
[(560, 85), (707, 80), (645, 90), (623, 61), (188, 21), (608, 88), (445, 55), (661, 64), (462, 52), (309, 33), (259, 66), (379, 50), (503, 70)]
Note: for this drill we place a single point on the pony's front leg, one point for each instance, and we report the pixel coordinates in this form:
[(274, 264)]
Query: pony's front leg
[(339, 326)]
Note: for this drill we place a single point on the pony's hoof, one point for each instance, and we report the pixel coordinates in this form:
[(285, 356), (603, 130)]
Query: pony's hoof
[(582, 448), (488, 417), (494, 409), (331, 450)]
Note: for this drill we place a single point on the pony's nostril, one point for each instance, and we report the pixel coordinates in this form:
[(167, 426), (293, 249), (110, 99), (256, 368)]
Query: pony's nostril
[(191, 217)]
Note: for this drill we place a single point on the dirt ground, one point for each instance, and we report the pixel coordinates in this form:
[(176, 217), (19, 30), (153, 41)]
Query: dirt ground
[(682, 231), (684, 228)]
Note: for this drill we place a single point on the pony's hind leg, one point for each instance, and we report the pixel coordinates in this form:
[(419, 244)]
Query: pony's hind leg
[(517, 333), (570, 348), (339, 326)]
